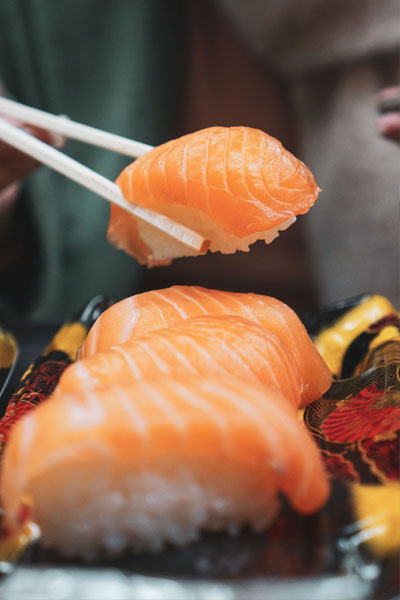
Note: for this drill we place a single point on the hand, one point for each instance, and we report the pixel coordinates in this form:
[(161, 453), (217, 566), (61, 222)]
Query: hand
[(14, 165), (389, 108)]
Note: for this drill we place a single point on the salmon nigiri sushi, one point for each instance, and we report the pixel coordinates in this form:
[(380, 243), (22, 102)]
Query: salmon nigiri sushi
[(233, 185), (153, 310), (208, 346), (157, 462)]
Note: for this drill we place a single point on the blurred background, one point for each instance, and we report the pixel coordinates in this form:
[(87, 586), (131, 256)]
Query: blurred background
[(311, 74)]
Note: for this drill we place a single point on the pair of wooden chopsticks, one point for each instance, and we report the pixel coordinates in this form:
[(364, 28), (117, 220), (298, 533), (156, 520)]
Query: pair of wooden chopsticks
[(42, 152)]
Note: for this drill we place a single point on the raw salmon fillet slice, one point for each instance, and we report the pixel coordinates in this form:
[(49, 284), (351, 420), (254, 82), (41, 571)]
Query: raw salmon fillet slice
[(233, 185), (156, 309), (207, 345)]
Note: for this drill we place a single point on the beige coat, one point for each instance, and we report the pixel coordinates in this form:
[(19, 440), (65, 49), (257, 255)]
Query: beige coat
[(335, 55)]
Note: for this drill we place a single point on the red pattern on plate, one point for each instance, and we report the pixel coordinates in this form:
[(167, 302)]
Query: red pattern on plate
[(383, 456), (37, 387), (362, 416), (339, 467)]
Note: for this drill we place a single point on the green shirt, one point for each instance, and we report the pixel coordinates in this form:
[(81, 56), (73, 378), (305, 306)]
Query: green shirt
[(112, 65)]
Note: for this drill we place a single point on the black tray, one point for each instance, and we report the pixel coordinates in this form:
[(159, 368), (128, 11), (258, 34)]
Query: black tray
[(299, 557)]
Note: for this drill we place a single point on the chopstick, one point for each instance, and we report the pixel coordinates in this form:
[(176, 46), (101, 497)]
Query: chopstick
[(95, 182), (72, 129)]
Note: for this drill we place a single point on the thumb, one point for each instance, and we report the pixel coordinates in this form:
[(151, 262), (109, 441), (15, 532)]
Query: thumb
[(53, 139)]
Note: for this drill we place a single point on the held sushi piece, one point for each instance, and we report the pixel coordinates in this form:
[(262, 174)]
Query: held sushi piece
[(158, 462), (153, 310), (234, 185), (205, 346)]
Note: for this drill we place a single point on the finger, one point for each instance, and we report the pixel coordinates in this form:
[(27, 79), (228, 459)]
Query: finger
[(389, 109), (53, 139), (389, 125), (15, 165)]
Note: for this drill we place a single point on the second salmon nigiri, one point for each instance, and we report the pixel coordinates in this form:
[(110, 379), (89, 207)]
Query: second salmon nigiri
[(156, 309), (208, 346)]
